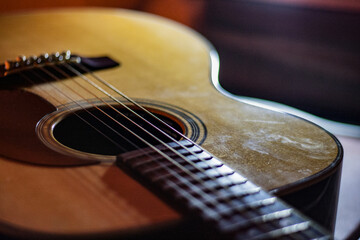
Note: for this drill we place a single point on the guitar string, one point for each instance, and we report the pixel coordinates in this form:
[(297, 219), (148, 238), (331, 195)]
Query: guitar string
[(192, 199), (85, 69), (145, 110), (151, 124), (214, 202), (69, 107), (146, 121), (198, 190), (121, 94), (149, 113), (112, 97), (164, 156), (183, 156), (122, 125), (201, 169), (129, 216)]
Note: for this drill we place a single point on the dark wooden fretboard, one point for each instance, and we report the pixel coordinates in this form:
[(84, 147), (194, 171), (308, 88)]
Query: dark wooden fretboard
[(202, 184)]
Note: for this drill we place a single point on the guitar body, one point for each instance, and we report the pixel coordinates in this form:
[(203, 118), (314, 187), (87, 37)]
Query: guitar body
[(49, 190)]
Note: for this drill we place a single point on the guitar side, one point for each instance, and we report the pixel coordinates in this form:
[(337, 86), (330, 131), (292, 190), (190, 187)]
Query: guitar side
[(164, 62)]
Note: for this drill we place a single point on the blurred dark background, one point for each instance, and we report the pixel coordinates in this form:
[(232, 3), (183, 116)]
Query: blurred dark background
[(303, 53), (304, 56)]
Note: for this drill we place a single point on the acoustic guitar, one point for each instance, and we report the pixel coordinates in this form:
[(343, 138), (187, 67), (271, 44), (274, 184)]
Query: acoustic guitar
[(129, 136)]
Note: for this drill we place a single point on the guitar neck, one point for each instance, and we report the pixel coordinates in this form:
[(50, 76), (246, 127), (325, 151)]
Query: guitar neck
[(202, 185)]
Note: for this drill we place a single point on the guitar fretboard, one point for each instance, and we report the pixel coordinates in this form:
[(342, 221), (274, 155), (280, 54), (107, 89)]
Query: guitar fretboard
[(202, 184)]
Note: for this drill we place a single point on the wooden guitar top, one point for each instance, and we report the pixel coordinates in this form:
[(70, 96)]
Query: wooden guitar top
[(162, 62)]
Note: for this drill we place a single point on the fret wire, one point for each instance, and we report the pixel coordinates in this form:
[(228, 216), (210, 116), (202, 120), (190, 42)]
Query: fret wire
[(285, 231), (199, 176), (217, 213), (195, 188), (182, 191), (232, 195), (309, 234), (203, 162), (252, 205), (312, 231), (199, 204), (149, 168), (214, 214), (171, 184), (258, 220)]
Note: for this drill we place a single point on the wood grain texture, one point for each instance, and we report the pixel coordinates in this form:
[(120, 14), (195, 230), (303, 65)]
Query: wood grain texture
[(165, 62)]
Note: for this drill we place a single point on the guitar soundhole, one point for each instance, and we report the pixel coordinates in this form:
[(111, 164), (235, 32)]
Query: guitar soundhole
[(108, 132)]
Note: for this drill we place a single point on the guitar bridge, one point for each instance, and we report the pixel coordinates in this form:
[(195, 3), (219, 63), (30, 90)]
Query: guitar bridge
[(10, 69), (22, 62)]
